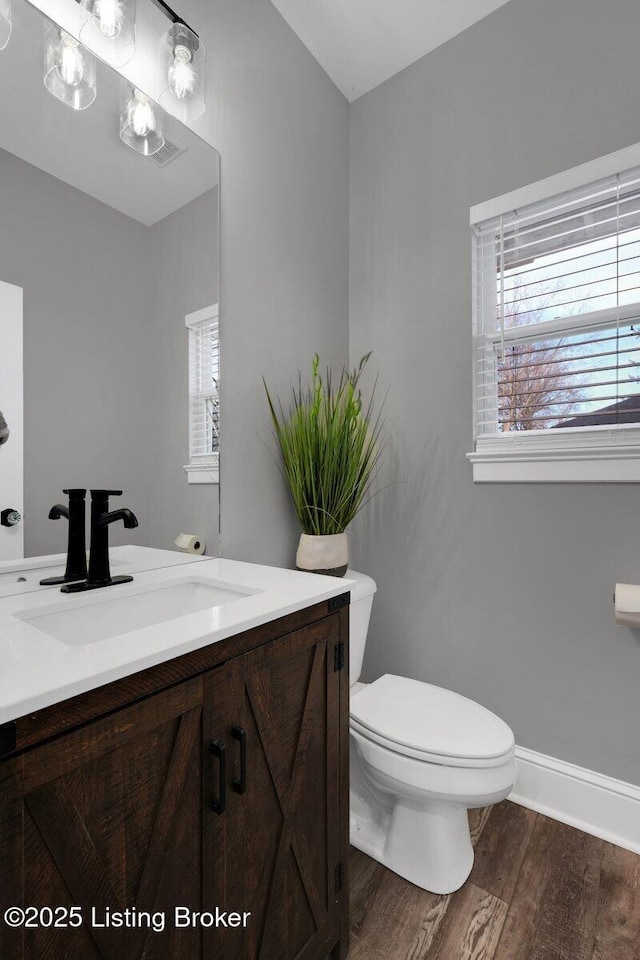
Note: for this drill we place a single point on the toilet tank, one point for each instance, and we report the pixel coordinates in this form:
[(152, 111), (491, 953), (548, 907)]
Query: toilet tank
[(359, 613)]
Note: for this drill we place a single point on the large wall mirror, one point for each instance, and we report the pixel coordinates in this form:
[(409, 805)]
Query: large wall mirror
[(103, 254)]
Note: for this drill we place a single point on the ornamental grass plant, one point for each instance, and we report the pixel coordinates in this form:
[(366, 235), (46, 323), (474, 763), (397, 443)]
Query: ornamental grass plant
[(330, 446)]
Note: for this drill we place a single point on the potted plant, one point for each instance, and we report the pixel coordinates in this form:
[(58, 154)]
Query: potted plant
[(329, 441)]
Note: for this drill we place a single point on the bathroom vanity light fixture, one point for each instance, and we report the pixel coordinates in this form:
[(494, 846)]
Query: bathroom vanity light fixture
[(140, 122), (5, 22), (110, 31), (70, 70)]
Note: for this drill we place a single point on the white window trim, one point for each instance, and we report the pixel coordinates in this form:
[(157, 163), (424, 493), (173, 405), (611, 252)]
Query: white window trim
[(202, 469), (205, 470), (563, 182), (590, 454)]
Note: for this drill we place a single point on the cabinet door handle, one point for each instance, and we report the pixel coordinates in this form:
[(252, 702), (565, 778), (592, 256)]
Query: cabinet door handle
[(240, 783), (219, 750)]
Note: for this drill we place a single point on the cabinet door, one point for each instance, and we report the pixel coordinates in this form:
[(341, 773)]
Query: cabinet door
[(275, 849), (107, 817)]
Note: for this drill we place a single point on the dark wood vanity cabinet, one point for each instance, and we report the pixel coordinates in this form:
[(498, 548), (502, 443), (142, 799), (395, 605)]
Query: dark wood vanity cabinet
[(105, 817), (226, 788)]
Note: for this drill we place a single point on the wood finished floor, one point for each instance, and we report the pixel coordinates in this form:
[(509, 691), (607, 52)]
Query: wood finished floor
[(539, 890)]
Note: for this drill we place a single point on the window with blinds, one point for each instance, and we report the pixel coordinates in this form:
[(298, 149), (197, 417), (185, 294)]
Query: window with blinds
[(557, 313), (204, 408)]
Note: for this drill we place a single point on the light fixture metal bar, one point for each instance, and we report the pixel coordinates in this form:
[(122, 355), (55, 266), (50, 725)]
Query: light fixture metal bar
[(171, 14)]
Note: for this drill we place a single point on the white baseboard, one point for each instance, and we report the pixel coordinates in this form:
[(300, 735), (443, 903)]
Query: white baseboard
[(599, 805)]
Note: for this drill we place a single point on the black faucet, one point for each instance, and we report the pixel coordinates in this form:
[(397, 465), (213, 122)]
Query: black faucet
[(99, 574), (76, 568)]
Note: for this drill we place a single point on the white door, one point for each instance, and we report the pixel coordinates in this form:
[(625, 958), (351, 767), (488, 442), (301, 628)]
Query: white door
[(11, 405)]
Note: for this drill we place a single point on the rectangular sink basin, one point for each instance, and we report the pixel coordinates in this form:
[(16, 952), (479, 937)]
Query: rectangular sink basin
[(107, 618)]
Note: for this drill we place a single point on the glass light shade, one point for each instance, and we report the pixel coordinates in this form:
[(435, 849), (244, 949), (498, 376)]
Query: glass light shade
[(70, 70), (5, 22), (185, 66), (110, 30), (141, 123)]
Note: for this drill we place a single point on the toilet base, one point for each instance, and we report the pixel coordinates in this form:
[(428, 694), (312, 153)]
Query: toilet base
[(430, 845), (427, 844)]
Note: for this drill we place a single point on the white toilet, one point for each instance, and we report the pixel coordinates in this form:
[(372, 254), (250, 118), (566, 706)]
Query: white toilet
[(421, 757)]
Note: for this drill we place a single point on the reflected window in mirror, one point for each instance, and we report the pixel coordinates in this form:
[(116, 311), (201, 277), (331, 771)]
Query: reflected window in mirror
[(204, 406)]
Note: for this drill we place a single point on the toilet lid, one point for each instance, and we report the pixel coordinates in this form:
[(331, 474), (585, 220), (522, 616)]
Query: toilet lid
[(427, 719)]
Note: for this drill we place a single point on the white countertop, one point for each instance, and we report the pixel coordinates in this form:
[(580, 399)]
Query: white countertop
[(38, 670), (23, 576)]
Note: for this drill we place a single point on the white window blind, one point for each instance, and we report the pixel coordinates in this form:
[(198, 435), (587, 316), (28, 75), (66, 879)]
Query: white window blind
[(204, 409), (557, 314)]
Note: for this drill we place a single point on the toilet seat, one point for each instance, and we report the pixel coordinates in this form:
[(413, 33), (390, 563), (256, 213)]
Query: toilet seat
[(425, 756), (427, 723)]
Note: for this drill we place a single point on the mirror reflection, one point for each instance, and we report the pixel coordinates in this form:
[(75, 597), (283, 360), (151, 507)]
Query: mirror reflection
[(108, 303)]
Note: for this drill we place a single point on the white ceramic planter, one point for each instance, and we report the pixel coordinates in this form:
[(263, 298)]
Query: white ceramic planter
[(328, 555)]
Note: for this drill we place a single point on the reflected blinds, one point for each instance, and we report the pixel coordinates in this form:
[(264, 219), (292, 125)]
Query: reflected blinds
[(557, 311), (204, 373)]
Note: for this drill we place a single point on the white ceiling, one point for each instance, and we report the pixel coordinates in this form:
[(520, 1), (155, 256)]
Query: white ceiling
[(360, 43), (84, 148)]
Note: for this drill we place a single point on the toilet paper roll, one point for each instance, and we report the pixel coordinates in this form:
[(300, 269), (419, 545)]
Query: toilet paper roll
[(627, 604), (190, 543)]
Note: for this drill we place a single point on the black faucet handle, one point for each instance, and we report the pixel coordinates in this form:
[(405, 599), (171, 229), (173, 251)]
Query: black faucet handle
[(105, 494), (127, 516), (76, 493)]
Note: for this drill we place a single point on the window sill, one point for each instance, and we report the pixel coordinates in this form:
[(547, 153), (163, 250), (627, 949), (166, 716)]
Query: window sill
[(205, 471), (588, 455)]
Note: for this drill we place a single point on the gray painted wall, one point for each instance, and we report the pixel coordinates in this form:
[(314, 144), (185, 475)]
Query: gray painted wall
[(501, 592), (184, 255), (85, 273), (281, 127)]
